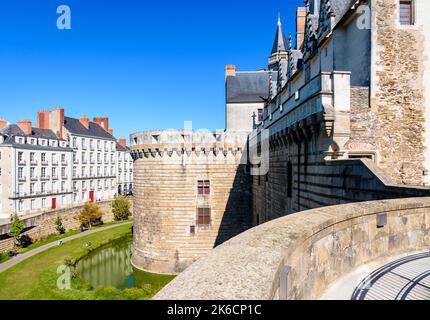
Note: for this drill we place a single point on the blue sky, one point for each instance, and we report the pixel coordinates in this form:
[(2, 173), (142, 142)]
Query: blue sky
[(145, 64)]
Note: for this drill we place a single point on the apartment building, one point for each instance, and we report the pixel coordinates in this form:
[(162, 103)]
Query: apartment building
[(124, 168), (35, 173)]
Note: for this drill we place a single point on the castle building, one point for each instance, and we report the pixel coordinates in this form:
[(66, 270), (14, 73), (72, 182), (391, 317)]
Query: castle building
[(340, 116), (35, 171)]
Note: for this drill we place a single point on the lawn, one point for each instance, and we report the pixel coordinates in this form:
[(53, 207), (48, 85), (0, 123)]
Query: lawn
[(4, 256), (36, 278)]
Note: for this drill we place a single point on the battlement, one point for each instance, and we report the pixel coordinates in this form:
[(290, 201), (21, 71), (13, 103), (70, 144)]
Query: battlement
[(177, 143)]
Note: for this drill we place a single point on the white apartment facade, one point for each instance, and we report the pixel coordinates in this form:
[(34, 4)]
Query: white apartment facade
[(124, 168), (35, 171)]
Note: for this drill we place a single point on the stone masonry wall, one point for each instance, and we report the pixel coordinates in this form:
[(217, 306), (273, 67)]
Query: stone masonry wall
[(166, 205), (398, 99), (318, 246)]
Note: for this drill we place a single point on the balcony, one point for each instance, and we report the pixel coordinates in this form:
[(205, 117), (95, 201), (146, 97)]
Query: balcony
[(55, 162), (33, 162), (84, 161), (34, 178), (84, 147), (22, 162), (75, 161), (55, 177), (64, 163), (44, 162), (22, 179), (45, 178), (92, 161), (64, 177)]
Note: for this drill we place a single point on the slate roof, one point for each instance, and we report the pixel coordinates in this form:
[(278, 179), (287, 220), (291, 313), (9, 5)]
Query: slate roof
[(12, 130), (121, 148), (74, 126), (340, 8), (280, 43), (247, 87)]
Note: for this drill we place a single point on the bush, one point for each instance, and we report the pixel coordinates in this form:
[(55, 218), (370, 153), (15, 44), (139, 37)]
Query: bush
[(59, 225), (90, 215), (120, 208), (23, 241)]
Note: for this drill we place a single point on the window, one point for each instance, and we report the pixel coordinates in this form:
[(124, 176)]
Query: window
[(203, 216), (32, 170), (203, 187), (32, 157), (43, 172), (33, 204), (75, 143), (21, 172), (406, 12), (260, 115), (43, 157), (20, 205), (43, 202), (20, 157), (43, 187), (31, 188)]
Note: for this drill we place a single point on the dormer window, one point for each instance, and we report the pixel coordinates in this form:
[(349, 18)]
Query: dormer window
[(21, 140), (406, 12)]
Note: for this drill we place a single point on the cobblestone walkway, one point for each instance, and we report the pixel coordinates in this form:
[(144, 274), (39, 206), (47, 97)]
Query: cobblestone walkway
[(404, 279)]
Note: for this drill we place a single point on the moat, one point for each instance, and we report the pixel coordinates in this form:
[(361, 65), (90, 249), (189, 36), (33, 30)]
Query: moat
[(110, 266)]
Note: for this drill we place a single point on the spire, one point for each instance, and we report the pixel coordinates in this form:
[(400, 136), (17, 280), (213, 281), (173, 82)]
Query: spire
[(280, 44)]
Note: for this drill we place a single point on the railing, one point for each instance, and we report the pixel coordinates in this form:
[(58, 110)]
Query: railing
[(45, 178), (22, 179)]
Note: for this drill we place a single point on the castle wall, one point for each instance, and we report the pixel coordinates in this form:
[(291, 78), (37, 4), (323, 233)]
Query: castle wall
[(398, 71), (167, 236)]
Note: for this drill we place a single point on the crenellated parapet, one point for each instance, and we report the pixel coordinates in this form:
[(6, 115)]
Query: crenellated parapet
[(180, 143)]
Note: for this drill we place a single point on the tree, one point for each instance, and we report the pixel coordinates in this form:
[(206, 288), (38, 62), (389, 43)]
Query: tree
[(90, 215), (120, 208), (15, 232), (16, 228), (59, 225)]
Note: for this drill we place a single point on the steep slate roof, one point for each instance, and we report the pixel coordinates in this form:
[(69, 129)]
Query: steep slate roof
[(121, 148), (280, 43), (13, 130), (74, 126), (247, 87), (341, 7)]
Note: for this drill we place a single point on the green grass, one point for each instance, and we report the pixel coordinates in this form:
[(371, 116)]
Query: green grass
[(36, 277), (4, 256)]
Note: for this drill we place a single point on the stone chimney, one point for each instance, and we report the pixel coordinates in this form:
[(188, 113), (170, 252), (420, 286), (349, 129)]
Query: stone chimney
[(85, 121), (122, 142), (56, 121), (43, 119), (300, 26), (230, 70), (3, 123), (102, 122), (110, 130), (25, 125)]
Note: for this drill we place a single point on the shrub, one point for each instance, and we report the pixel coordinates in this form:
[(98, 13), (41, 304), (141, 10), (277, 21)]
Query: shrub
[(90, 215), (120, 208), (23, 241), (16, 228), (59, 225)]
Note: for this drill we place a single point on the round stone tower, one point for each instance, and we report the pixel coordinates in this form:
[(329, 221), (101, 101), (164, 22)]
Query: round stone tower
[(192, 192)]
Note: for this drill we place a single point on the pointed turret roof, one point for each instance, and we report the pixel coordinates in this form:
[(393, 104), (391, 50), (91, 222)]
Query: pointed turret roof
[(280, 43)]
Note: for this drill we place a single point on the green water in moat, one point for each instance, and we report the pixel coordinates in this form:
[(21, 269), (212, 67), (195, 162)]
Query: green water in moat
[(110, 266)]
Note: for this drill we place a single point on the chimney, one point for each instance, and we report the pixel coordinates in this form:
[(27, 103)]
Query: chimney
[(56, 121), (230, 70), (300, 26), (110, 130), (85, 121), (25, 125), (43, 119), (122, 142), (3, 123), (102, 122)]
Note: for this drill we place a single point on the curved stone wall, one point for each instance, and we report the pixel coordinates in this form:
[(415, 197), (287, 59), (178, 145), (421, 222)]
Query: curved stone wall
[(316, 246), (167, 168)]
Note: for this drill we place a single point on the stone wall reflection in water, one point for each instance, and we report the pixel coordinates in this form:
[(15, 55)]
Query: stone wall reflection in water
[(108, 266)]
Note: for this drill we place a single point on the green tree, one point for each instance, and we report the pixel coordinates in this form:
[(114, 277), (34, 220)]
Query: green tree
[(16, 228), (120, 208), (90, 215), (59, 225)]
